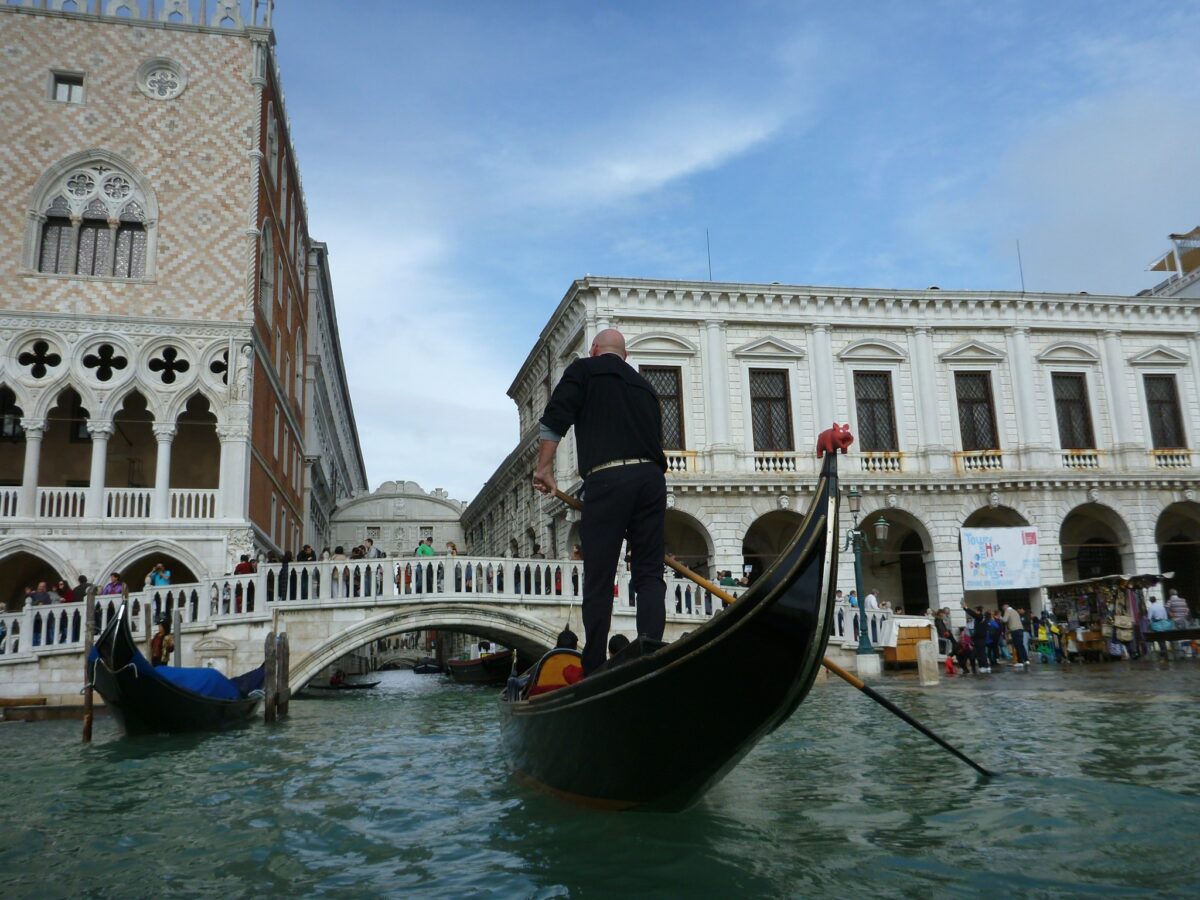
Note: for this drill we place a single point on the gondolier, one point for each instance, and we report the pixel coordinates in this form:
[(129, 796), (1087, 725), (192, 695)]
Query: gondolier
[(618, 435)]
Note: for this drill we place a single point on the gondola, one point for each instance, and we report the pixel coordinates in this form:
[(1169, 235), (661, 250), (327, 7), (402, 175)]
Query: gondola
[(149, 699), (659, 730), (491, 669), (427, 666), (344, 686)]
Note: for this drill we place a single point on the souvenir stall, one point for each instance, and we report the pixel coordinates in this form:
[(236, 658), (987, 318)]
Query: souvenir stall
[(1100, 618)]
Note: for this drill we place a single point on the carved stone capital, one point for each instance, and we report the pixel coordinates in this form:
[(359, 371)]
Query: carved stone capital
[(238, 432), (164, 432), (100, 428), (33, 428)]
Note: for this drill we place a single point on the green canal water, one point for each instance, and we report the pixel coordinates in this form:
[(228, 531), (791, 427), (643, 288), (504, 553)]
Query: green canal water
[(403, 792)]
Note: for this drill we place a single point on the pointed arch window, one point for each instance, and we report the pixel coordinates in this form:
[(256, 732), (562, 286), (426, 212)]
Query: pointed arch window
[(92, 219)]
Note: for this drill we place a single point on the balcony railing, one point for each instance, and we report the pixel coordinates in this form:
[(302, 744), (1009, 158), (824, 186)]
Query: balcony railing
[(682, 462), (1171, 459), (974, 461), (775, 461), (9, 497), (881, 461), (193, 503), (1081, 459), (61, 502), (128, 503)]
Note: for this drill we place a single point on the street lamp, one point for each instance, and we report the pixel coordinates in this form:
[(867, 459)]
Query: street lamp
[(855, 539)]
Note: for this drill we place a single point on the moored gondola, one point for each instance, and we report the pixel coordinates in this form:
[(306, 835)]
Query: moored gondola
[(660, 729), (491, 669), (148, 699)]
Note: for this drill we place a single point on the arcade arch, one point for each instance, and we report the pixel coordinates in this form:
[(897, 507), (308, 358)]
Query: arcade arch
[(767, 538), (1095, 541), (688, 541), (23, 568), (902, 569), (1177, 533)]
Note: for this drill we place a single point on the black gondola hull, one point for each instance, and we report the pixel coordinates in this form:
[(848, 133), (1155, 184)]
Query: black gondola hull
[(145, 704), (657, 732), (492, 669)]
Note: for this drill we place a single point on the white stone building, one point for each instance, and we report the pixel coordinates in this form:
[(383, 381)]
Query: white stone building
[(1072, 413), (155, 297), (397, 516)]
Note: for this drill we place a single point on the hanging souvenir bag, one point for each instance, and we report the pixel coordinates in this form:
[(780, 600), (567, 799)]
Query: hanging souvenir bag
[(1162, 625)]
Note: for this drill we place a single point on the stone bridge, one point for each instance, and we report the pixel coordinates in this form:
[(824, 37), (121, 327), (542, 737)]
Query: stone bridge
[(329, 609)]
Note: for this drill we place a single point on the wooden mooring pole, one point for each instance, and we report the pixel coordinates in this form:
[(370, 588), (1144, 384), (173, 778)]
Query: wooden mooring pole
[(89, 621), (283, 690), (270, 677)]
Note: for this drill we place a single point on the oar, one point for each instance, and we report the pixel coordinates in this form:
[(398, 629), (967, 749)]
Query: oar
[(833, 667)]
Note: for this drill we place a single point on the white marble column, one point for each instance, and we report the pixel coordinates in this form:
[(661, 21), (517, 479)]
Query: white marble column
[(822, 377), (1031, 430), (164, 433), (100, 431), (235, 470), (27, 501), (715, 360)]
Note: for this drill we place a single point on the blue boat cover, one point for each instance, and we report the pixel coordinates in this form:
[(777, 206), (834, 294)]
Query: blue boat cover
[(206, 682)]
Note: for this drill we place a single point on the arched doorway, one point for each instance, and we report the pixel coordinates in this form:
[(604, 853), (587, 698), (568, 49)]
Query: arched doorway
[(766, 540), (1000, 517), (21, 570), (899, 570), (1177, 533), (1095, 542)]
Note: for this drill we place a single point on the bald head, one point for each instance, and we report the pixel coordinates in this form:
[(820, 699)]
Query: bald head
[(609, 341)]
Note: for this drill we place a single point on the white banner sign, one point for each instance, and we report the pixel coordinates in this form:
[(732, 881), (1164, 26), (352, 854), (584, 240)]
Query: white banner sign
[(996, 559)]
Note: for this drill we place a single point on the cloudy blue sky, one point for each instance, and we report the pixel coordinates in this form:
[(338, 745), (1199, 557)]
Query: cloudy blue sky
[(466, 161)]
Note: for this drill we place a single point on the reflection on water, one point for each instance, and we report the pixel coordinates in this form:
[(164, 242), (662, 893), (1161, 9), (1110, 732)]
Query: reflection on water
[(403, 791)]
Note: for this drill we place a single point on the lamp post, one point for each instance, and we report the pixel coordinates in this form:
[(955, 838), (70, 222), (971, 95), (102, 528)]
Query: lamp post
[(856, 539)]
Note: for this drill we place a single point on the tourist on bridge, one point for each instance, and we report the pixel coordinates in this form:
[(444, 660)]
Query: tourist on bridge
[(159, 576), (115, 585), (373, 552), (618, 435)]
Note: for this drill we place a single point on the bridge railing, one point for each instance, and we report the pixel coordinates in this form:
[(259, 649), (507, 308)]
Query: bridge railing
[(37, 630)]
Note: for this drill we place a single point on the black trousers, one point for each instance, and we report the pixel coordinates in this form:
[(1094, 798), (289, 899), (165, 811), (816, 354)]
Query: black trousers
[(624, 502)]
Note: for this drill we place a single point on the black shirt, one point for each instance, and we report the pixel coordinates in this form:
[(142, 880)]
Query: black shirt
[(614, 410)]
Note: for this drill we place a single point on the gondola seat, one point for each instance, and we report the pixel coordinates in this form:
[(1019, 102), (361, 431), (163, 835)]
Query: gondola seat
[(554, 670)]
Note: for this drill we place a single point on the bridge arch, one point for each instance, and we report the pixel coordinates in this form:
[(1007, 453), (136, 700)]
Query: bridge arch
[(528, 635)]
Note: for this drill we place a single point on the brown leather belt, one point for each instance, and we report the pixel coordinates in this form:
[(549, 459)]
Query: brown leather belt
[(612, 464)]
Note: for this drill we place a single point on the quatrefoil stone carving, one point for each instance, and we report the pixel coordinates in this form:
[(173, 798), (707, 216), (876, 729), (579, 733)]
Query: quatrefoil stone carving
[(170, 365), (220, 366), (40, 359), (106, 361)]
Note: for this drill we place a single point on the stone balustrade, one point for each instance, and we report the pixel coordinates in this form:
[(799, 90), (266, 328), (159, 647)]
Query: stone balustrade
[(230, 599)]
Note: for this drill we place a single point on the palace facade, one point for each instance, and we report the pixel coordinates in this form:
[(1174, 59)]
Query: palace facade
[(1072, 413), (171, 384)]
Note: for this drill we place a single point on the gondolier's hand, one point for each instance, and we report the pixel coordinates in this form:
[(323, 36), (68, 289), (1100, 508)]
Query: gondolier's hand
[(543, 479)]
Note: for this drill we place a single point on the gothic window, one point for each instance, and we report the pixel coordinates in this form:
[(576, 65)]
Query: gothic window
[(169, 364), (272, 147), (94, 220), (266, 272), (39, 359), (1071, 407), (876, 413), (105, 362), (770, 410), (1162, 403), (666, 383), (976, 418)]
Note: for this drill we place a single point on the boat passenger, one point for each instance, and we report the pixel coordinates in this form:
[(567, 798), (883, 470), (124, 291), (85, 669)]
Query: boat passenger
[(616, 644), (567, 640), (162, 644)]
